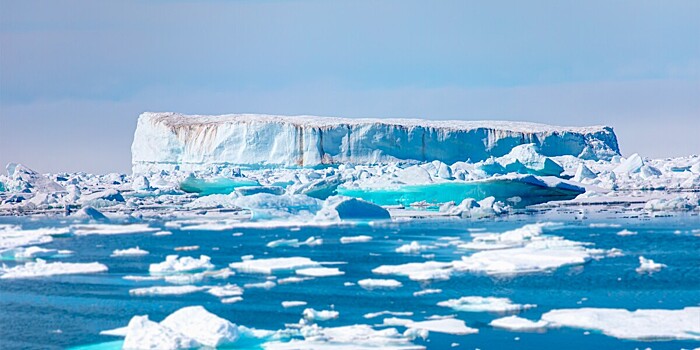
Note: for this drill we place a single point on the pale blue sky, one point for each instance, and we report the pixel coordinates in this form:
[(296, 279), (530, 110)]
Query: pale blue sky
[(74, 75)]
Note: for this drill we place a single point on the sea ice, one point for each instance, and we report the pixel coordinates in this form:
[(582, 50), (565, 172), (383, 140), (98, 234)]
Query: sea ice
[(648, 265), (345, 208), (371, 283), (643, 324), (484, 304), (107, 229), (269, 266), (292, 303), (424, 271), (228, 290), (446, 325), (311, 315), (204, 327), (412, 248), (143, 333), (129, 252), (355, 239), (173, 264), (516, 323), (320, 272), (41, 268), (166, 290)]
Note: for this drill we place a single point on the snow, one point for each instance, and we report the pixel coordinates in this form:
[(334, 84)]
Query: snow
[(271, 265), (515, 323), (163, 140), (173, 264), (484, 304), (371, 283), (129, 252), (648, 265), (643, 324), (355, 239), (41, 268)]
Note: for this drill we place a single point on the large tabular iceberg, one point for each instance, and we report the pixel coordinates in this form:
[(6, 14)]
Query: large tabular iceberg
[(166, 140)]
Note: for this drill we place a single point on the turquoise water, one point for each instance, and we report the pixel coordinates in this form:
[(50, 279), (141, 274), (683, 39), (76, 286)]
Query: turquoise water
[(215, 186), (529, 190), (67, 311)]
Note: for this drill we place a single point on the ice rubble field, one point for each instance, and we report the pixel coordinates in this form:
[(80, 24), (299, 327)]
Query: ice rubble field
[(518, 235)]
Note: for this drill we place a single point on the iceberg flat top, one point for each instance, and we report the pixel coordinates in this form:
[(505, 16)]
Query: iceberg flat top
[(175, 120)]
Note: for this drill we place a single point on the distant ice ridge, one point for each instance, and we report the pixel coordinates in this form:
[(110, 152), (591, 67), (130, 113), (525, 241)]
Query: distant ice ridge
[(163, 141)]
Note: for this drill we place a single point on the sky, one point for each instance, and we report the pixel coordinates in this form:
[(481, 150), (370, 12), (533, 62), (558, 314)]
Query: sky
[(75, 75)]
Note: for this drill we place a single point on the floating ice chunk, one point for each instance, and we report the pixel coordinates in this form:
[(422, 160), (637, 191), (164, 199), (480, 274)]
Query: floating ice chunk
[(167, 290), (41, 268), (29, 253), (228, 290), (355, 337), (648, 265), (371, 283), (12, 236), (631, 165), (643, 324), (412, 248), (292, 303), (515, 323), (346, 208), (626, 232), (23, 179), (105, 229), (204, 327), (382, 313), (293, 279), (484, 304), (140, 183), (446, 325), (426, 292), (173, 264), (261, 285), (130, 252), (311, 315), (355, 239), (311, 241), (424, 271), (143, 333), (320, 188), (320, 272), (231, 300), (269, 266), (189, 278)]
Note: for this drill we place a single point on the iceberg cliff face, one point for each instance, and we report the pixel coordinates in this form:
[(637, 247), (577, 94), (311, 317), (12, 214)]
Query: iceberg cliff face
[(191, 142)]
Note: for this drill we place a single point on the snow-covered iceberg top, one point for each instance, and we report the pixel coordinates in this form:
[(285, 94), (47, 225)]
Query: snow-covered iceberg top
[(167, 140)]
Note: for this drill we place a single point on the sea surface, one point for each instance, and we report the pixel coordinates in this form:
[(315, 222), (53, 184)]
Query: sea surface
[(70, 311)]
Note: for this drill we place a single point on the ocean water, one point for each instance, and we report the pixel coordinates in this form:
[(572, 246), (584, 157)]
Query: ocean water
[(70, 311)]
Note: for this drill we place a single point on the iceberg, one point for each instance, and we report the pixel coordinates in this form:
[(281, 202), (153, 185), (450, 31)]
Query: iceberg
[(346, 208), (168, 141)]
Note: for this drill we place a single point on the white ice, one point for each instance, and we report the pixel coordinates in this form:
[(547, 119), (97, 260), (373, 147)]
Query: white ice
[(41, 268), (484, 304)]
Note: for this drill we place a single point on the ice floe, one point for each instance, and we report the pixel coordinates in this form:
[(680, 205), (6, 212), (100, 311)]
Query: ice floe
[(320, 272), (311, 315), (41, 268), (643, 324), (373, 283), (515, 323), (355, 239), (130, 252), (484, 304), (166, 290), (271, 265), (648, 265), (173, 264)]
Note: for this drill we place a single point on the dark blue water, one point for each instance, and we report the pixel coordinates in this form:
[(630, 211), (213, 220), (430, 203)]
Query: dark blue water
[(66, 311)]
